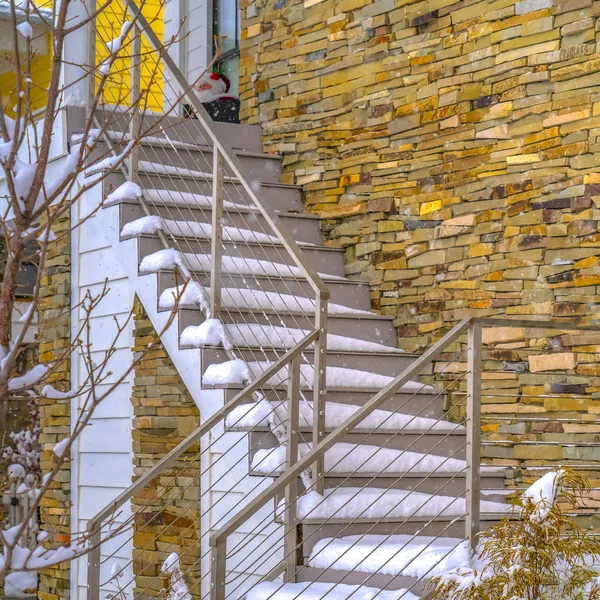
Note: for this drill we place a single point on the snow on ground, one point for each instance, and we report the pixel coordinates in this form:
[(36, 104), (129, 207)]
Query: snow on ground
[(336, 413), (363, 458), (375, 503), (396, 555), (316, 590)]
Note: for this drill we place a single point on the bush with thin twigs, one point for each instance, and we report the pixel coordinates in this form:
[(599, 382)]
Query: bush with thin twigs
[(537, 553)]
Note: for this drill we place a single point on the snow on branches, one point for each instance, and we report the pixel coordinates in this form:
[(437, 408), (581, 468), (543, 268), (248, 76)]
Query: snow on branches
[(537, 553)]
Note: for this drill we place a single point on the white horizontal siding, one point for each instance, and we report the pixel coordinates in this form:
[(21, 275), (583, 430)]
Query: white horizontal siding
[(104, 450)]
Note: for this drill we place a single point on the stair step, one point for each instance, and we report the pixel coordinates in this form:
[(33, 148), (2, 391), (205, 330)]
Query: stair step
[(407, 402), (153, 176), (400, 555), (385, 582), (349, 293), (258, 166), (310, 590), (366, 460), (337, 378), (370, 505), (380, 363), (237, 136), (327, 261), (417, 443), (256, 417), (370, 327), (267, 336), (196, 208)]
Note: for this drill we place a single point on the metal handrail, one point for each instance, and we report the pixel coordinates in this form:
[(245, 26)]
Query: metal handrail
[(218, 539), (95, 523), (223, 153), (473, 327), (229, 156)]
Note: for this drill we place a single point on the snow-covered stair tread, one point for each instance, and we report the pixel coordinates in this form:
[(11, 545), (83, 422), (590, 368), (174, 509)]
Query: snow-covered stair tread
[(396, 555), (317, 590), (345, 458), (232, 265), (254, 300), (153, 223), (129, 191), (255, 335), (264, 413), (376, 503), (337, 377)]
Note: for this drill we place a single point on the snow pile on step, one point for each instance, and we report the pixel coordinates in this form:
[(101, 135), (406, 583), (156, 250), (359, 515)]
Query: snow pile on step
[(396, 555), (341, 377), (336, 413), (193, 294), (126, 191), (259, 300), (376, 503), (162, 169), (152, 224), (345, 458), (337, 377), (248, 266), (167, 259), (210, 333), (316, 590), (272, 336), (149, 224), (187, 199), (231, 371)]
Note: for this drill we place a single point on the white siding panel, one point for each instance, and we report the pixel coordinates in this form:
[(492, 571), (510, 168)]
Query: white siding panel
[(96, 267), (117, 364), (119, 295), (105, 470), (104, 330), (107, 436), (116, 404), (91, 236), (104, 464)]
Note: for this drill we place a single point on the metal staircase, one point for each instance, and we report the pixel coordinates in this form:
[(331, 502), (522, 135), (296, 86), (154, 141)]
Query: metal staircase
[(327, 464)]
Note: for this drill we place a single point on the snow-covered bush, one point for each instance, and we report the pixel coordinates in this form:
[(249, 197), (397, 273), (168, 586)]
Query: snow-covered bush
[(537, 553)]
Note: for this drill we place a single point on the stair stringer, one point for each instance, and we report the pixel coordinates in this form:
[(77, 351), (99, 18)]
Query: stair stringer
[(189, 366)]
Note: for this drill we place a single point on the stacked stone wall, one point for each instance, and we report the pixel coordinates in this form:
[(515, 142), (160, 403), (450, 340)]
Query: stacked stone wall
[(451, 147), (54, 343), (167, 511)]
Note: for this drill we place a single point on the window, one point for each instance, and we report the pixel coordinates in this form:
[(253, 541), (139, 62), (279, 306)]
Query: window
[(226, 15)]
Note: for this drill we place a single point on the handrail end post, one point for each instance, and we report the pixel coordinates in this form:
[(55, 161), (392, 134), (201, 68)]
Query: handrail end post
[(473, 463)]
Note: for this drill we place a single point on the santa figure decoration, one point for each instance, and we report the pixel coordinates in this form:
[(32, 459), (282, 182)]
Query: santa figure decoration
[(212, 90)]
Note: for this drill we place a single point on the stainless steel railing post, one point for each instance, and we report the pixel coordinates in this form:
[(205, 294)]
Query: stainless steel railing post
[(320, 391), (473, 484), (93, 562), (216, 248), (291, 490), (134, 101)]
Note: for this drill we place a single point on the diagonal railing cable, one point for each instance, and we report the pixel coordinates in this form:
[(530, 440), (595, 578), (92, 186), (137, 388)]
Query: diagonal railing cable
[(219, 539), (95, 524), (223, 155)]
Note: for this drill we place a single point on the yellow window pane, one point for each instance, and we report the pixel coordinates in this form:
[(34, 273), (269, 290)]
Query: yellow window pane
[(116, 90)]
